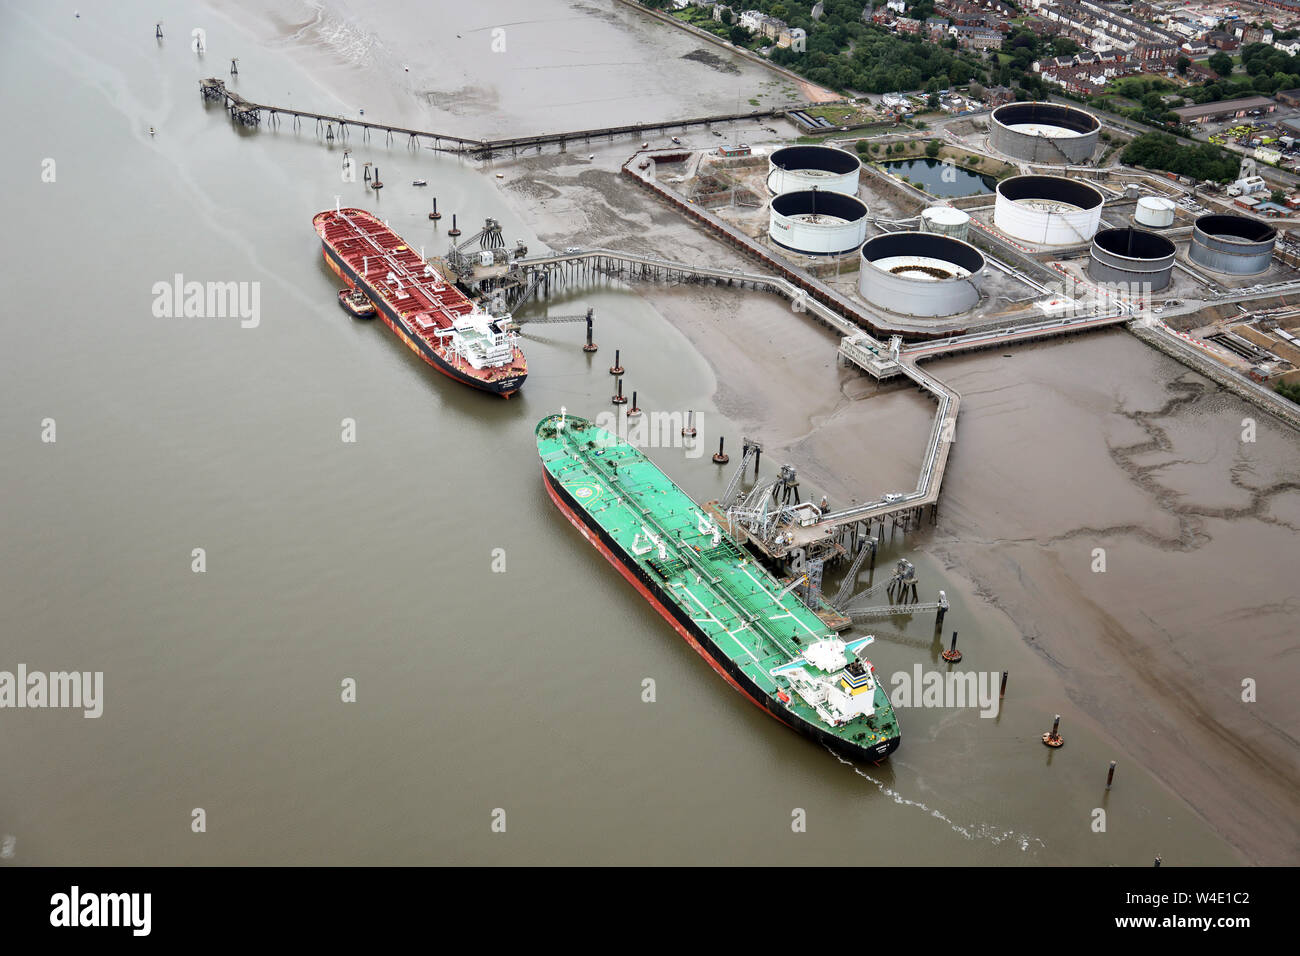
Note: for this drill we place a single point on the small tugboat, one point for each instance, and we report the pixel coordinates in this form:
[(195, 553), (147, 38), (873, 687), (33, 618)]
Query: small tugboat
[(418, 182), (356, 304)]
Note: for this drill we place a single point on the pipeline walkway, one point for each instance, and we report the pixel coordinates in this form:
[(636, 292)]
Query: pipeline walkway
[(250, 113), (877, 358)]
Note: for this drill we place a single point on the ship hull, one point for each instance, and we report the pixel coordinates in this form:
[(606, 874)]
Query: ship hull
[(503, 387), (695, 636)]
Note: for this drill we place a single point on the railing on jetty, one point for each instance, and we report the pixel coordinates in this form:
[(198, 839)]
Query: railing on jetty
[(250, 114)]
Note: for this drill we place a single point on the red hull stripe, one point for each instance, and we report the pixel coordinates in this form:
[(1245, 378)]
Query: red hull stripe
[(653, 601)]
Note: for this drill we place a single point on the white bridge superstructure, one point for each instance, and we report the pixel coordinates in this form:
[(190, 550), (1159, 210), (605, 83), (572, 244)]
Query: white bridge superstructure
[(822, 677)]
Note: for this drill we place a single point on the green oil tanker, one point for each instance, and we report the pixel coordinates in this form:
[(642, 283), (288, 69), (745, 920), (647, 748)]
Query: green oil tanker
[(760, 639)]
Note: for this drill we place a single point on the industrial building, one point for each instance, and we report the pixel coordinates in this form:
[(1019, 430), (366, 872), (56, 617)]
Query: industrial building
[(1225, 109)]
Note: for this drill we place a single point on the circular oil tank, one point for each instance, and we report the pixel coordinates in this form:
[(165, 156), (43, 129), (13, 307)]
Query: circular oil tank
[(818, 223), (945, 221), (1047, 210), (1157, 212), (920, 273), (800, 168), (1233, 245), (1133, 258), (1044, 132)]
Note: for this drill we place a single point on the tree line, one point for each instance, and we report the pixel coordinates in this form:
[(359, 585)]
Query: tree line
[(1163, 152)]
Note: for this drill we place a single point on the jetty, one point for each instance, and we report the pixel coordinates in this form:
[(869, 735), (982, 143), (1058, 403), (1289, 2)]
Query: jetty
[(248, 113)]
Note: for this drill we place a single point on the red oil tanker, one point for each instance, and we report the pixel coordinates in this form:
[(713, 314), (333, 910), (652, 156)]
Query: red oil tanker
[(433, 317)]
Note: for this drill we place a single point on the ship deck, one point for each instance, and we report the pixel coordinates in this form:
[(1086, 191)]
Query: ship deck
[(734, 599), (394, 271)]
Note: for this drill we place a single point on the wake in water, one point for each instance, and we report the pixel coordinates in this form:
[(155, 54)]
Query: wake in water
[(980, 831)]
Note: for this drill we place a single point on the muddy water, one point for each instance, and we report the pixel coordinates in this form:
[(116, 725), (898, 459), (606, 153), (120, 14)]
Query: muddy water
[(373, 561)]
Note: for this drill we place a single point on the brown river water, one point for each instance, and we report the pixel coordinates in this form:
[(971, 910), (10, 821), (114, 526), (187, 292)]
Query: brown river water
[(481, 690)]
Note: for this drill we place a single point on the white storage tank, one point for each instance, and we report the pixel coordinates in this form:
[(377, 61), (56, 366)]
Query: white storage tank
[(825, 168), (1047, 210), (945, 221), (1156, 212), (920, 274), (818, 223)]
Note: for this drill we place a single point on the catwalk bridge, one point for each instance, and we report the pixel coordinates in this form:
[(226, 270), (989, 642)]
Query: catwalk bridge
[(250, 113), (880, 359)]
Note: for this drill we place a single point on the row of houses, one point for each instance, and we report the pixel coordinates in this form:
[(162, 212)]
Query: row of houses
[(964, 14), (1102, 29), (938, 29), (1088, 78), (755, 21), (955, 8), (1204, 28)]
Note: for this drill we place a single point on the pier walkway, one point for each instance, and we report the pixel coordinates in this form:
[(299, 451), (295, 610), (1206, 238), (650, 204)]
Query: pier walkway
[(250, 113)]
